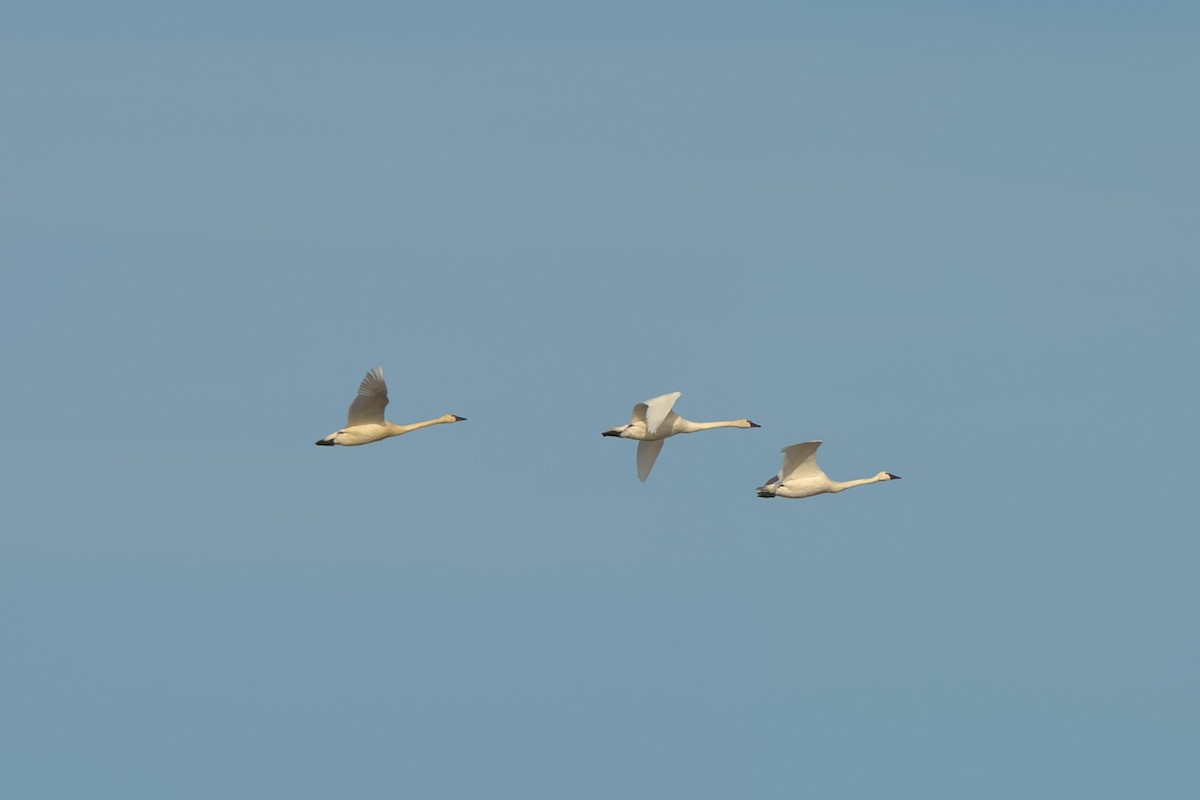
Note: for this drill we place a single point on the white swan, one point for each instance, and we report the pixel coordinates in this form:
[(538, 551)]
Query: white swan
[(801, 477), (365, 422), (653, 421)]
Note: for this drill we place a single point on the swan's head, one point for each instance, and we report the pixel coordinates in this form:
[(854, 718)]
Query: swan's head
[(887, 476), (617, 431), (745, 423)]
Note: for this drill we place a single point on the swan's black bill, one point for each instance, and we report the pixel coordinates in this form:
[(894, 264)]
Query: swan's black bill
[(457, 418), (610, 433), (766, 494), (893, 477), (754, 424), (324, 443)]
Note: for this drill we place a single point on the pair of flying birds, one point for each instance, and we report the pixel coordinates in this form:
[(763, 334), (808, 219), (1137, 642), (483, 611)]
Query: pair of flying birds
[(652, 423)]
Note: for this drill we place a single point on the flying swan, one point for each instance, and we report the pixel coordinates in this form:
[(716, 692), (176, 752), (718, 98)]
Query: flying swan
[(653, 421), (365, 422), (801, 477)]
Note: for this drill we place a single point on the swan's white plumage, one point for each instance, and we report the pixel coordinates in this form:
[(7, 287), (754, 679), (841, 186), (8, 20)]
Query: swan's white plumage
[(654, 412), (647, 453), (799, 461), (372, 398)]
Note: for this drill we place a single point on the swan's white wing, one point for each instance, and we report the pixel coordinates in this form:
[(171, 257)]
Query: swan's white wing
[(372, 398), (799, 461), (647, 453), (655, 410)]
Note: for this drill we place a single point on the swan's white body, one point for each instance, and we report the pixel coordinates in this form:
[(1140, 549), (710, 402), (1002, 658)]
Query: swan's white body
[(653, 421), (801, 477), (365, 422)]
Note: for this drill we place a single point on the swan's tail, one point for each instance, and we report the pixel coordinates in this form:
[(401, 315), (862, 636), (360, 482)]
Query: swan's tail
[(768, 488)]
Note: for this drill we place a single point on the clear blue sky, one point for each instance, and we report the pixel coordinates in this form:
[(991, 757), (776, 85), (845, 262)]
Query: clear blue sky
[(955, 242)]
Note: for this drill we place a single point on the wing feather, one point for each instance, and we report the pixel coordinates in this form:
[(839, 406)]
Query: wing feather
[(655, 410), (646, 455), (799, 461), (367, 407)]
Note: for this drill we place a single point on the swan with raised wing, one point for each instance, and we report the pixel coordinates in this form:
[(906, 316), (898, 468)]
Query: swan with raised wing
[(653, 421), (801, 477), (365, 422)]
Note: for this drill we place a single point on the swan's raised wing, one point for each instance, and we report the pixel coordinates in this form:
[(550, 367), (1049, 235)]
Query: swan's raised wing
[(799, 461), (372, 398), (654, 411), (647, 453)]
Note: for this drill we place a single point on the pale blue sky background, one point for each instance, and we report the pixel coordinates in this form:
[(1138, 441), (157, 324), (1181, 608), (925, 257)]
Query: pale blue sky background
[(957, 243)]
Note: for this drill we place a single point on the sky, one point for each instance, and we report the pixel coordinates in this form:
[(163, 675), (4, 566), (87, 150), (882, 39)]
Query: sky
[(955, 242)]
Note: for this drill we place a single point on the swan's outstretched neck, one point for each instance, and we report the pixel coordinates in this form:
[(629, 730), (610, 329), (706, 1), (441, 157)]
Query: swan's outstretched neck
[(840, 486), (396, 430), (687, 426)]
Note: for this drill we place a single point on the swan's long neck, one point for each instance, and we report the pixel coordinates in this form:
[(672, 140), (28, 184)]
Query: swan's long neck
[(396, 430), (687, 426), (839, 486)]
